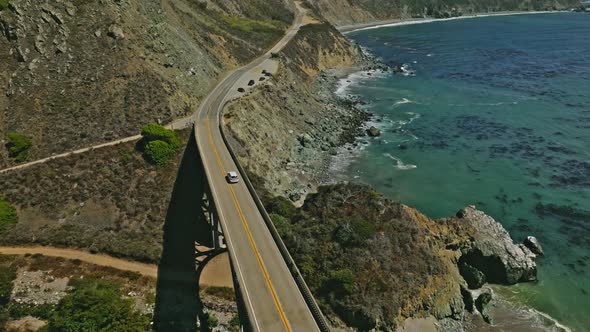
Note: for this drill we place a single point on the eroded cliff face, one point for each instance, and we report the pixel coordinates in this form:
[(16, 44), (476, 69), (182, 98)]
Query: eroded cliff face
[(75, 73), (285, 130), (345, 12)]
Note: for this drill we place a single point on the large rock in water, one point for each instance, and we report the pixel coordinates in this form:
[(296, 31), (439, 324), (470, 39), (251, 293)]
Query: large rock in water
[(493, 252), (533, 244), (374, 132)]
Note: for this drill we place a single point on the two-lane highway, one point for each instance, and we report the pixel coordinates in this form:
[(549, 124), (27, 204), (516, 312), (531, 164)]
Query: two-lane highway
[(271, 296)]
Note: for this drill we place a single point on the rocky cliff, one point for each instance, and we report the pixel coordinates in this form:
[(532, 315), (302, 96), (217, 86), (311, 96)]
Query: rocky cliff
[(345, 12), (285, 130), (75, 73), (372, 262)]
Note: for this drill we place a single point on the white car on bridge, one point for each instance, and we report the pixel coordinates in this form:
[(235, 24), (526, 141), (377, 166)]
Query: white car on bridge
[(232, 177)]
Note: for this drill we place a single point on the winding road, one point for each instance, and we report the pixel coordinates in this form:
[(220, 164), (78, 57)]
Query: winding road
[(272, 299)]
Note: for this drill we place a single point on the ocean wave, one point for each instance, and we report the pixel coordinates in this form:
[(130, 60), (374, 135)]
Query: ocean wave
[(399, 163), (344, 84)]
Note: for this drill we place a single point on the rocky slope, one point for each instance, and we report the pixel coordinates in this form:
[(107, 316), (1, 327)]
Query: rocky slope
[(372, 262), (345, 12), (285, 130), (75, 73)]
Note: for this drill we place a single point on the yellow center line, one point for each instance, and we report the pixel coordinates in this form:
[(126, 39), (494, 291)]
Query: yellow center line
[(250, 237)]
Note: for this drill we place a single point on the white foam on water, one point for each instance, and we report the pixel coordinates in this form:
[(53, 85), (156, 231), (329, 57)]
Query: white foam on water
[(553, 320), (344, 84), (399, 163), (415, 116), (402, 102)]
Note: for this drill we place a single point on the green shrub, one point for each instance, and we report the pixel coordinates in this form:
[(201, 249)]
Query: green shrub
[(160, 145), (7, 276), (43, 311), (235, 321), (212, 321), (8, 215), (4, 4), (340, 282), (96, 305), (281, 206), (155, 132), (354, 232), (159, 153), (18, 145), (282, 224)]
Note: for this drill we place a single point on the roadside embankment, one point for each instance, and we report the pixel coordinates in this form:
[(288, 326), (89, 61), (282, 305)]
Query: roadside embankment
[(286, 130)]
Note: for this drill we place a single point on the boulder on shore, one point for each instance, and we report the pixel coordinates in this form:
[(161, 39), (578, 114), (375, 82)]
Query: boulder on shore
[(493, 252), (481, 304), (474, 277)]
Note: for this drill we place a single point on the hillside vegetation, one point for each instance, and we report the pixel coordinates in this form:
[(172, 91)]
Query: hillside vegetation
[(370, 261), (110, 200), (76, 73), (342, 12)]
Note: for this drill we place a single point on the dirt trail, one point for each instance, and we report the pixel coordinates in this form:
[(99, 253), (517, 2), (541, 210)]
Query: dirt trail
[(177, 124), (216, 273)]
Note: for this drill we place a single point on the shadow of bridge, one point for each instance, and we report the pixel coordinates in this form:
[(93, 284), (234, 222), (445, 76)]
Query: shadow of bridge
[(177, 298)]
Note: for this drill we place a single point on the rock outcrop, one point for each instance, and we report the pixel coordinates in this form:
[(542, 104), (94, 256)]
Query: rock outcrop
[(374, 262), (533, 244), (374, 132), (492, 251)]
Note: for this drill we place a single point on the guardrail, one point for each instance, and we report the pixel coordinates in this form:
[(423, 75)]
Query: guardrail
[(307, 296)]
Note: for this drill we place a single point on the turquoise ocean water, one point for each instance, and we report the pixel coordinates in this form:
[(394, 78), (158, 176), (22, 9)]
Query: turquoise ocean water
[(497, 115)]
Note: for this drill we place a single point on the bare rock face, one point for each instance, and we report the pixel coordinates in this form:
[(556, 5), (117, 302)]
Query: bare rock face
[(493, 253)]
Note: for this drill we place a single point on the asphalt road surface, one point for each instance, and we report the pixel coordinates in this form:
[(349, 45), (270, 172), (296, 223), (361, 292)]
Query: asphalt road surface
[(271, 296)]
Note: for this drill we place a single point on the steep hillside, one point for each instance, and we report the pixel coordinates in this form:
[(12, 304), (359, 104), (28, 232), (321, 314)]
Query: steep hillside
[(74, 73), (343, 12), (286, 130)]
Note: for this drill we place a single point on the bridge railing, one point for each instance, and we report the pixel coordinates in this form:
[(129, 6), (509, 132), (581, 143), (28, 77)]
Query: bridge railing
[(303, 288)]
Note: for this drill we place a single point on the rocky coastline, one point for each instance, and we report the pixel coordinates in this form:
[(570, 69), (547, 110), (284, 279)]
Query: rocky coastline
[(287, 134), (488, 258)]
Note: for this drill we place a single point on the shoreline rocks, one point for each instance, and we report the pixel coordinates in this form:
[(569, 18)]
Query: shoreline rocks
[(374, 132), (533, 244), (493, 253)]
